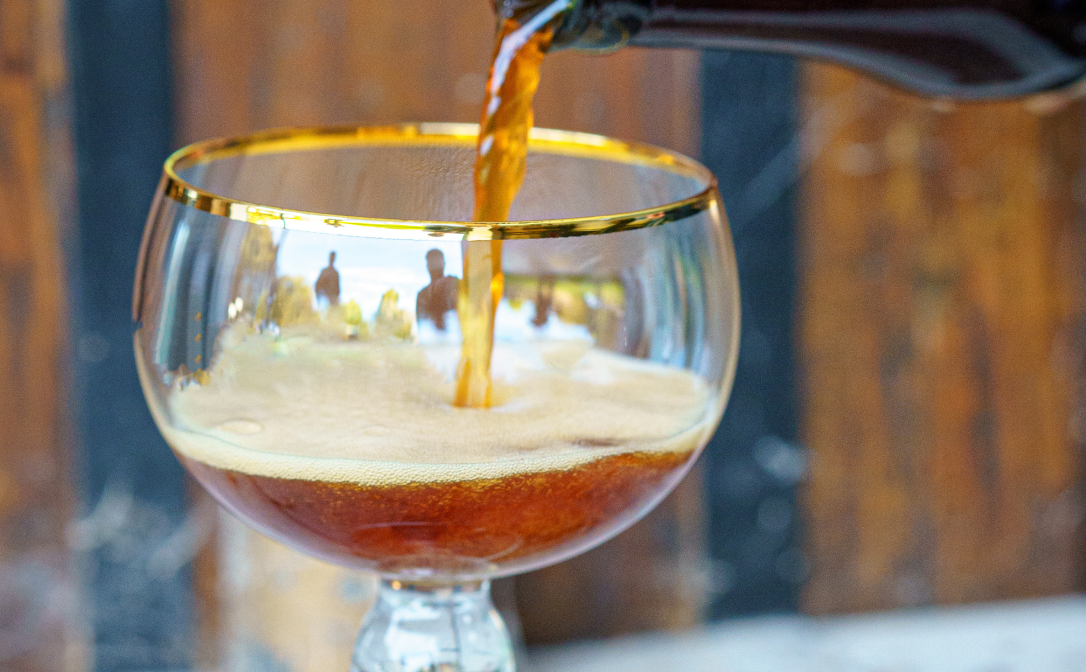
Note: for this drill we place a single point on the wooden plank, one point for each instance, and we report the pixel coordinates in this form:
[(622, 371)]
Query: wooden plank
[(381, 61), (752, 463), (647, 578), (326, 62), (384, 61), (281, 610), (37, 626), (941, 339)]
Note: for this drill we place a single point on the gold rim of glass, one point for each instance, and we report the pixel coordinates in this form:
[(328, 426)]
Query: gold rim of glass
[(567, 143)]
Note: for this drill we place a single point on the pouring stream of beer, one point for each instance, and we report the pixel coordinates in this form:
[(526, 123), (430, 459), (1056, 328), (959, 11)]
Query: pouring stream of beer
[(500, 161)]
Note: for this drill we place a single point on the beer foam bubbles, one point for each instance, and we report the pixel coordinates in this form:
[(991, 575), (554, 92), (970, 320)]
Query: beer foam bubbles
[(380, 413)]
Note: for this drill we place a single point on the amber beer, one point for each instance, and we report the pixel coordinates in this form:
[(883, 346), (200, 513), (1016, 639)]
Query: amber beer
[(500, 162), (452, 527)]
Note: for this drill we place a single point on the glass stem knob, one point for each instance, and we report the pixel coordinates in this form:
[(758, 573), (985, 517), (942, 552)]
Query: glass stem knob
[(416, 627)]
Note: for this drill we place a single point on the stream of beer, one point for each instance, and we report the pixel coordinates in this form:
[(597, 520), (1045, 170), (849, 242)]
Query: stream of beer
[(521, 43)]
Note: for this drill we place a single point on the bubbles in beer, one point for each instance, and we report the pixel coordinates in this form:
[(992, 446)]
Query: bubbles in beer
[(361, 457), (380, 412)]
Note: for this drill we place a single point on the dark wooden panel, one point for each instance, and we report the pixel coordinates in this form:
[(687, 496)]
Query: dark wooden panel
[(327, 61), (135, 537), (749, 131), (651, 95), (37, 598), (941, 337)]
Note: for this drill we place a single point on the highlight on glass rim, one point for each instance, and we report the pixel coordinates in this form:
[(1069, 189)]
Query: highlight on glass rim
[(390, 338)]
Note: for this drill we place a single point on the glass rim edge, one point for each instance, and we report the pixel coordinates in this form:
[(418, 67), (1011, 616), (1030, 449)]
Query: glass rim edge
[(567, 143)]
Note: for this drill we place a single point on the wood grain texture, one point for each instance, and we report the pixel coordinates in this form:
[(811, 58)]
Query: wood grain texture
[(281, 609), (243, 65), (941, 341), (286, 63), (36, 593), (647, 578)]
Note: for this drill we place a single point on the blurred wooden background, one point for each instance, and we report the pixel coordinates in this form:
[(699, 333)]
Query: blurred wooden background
[(940, 331), (941, 340), (38, 630), (334, 61)]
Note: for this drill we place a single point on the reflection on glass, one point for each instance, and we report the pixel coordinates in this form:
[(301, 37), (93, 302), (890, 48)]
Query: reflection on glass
[(327, 285), (544, 299), (301, 389), (439, 297)]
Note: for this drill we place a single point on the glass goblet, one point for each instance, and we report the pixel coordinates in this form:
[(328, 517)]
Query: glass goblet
[(302, 366)]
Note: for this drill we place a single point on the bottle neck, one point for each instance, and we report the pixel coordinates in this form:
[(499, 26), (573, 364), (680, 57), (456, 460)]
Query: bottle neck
[(969, 49)]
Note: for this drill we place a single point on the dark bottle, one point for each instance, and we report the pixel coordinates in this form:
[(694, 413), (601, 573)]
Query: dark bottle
[(966, 49)]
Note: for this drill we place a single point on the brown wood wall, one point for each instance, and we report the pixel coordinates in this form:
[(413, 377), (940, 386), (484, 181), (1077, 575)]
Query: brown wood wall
[(941, 339), (248, 64), (284, 63), (37, 600), (941, 330)]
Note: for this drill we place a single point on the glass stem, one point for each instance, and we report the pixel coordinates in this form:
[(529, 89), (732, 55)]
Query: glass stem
[(416, 627)]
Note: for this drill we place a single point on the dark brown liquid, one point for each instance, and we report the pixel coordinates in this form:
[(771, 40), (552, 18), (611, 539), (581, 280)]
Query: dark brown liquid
[(454, 528)]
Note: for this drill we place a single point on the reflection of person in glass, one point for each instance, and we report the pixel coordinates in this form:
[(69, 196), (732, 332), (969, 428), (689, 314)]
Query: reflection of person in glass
[(327, 286), (438, 297), (544, 300)]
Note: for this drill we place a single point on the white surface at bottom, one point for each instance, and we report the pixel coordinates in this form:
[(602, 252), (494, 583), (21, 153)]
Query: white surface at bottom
[(1034, 636)]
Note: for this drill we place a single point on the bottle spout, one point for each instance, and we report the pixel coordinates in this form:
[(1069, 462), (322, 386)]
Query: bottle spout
[(601, 27)]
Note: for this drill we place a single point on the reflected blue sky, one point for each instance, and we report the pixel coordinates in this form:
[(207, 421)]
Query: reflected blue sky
[(369, 267)]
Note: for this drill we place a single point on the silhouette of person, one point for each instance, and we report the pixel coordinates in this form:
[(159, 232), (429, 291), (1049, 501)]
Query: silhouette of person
[(544, 300), (327, 286), (438, 297)]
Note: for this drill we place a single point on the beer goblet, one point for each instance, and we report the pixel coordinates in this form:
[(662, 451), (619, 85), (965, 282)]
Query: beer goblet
[(302, 365)]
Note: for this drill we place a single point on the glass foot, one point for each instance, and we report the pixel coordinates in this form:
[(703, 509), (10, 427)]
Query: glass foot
[(433, 628)]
